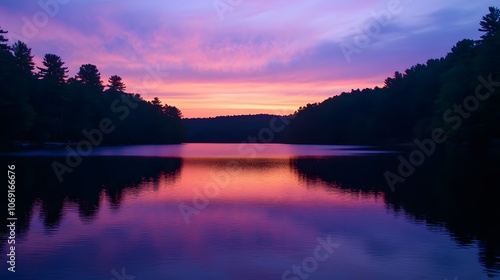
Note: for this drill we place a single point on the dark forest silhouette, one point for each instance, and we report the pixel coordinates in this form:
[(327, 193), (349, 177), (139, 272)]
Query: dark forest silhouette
[(46, 106), (409, 106), (228, 129), (42, 105), (412, 103), (453, 190)]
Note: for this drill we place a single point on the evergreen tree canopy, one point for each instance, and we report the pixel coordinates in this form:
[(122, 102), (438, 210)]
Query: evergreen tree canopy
[(414, 103), (3, 40), (116, 84), (50, 109), (490, 23), (23, 57), (53, 70), (89, 75)]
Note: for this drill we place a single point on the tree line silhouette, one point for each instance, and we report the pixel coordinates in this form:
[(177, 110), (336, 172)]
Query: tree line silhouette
[(228, 129), (411, 104), (42, 105), (45, 105)]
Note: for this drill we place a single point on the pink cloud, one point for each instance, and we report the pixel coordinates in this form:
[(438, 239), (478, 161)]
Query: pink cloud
[(264, 53)]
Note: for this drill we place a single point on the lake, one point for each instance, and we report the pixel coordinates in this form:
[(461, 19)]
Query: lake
[(250, 211)]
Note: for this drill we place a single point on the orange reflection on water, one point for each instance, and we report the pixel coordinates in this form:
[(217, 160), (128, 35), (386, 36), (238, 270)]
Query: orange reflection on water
[(231, 180)]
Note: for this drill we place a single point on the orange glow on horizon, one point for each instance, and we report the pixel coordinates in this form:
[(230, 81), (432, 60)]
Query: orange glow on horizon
[(211, 99)]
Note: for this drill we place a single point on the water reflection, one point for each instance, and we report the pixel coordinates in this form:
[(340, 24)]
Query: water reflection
[(458, 193), (123, 211), (94, 179)]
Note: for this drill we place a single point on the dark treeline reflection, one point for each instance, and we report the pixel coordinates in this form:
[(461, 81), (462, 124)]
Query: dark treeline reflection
[(96, 176), (457, 192)]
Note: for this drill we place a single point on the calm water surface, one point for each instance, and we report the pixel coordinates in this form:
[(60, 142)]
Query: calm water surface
[(227, 211)]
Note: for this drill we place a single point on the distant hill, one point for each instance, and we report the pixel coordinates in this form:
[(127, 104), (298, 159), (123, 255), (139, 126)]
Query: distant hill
[(228, 129)]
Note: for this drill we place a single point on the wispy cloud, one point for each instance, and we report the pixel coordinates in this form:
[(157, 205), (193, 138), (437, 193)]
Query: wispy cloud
[(264, 54)]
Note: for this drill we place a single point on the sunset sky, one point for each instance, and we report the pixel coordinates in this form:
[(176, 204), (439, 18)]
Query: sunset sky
[(229, 57)]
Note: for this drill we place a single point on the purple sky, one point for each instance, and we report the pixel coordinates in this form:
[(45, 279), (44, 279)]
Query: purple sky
[(224, 57)]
